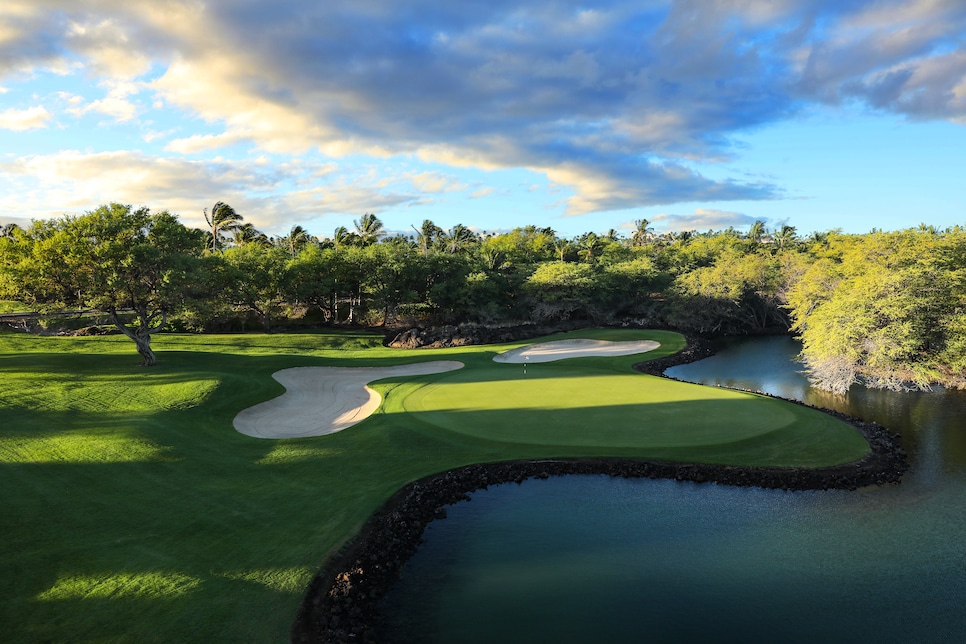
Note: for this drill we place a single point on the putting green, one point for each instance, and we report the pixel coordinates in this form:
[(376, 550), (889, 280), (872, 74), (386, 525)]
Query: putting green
[(570, 406)]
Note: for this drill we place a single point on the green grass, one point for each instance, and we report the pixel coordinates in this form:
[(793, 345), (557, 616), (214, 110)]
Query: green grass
[(132, 511), (12, 306)]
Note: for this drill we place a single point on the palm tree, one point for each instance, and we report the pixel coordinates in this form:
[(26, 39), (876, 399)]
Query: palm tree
[(562, 247), (818, 238), (342, 237), (757, 231), (297, 238), (223, 219), (642, 232), (492, 259), (590, 247), (426, 235), (458, 239), (787, 235), (248, 234), (369, 229)]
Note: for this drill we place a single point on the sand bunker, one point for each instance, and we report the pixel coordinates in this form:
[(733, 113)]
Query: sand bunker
[(324, 400), (561, 349)]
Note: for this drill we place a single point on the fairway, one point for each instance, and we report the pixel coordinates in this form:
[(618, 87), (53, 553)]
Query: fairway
[(134, 511)]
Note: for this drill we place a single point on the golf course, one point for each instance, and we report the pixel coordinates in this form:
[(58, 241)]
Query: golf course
[(138, 505)]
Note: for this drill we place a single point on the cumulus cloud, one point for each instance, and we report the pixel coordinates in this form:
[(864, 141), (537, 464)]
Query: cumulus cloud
[(622, 104), (79, 181), (26, 119), (116, 103)]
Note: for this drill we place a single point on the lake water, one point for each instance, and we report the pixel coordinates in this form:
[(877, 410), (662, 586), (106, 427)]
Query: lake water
[(600, 559)]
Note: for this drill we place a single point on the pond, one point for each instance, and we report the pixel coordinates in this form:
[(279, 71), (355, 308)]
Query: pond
[(594, 558)]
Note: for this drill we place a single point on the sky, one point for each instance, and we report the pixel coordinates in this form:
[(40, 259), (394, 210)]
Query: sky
[(578, 116)]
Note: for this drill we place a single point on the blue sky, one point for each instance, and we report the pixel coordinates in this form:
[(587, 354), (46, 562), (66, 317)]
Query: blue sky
[(700, 114)]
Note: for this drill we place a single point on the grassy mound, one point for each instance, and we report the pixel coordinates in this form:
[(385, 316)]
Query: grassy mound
[(132, 510)]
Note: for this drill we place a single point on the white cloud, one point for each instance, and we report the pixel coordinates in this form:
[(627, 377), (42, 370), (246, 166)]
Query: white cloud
[(111, 51), (701, 219), (201, 143), (115, 104), (621, 104), (436, 182), (73, 181), (25, 119), (482, 192)]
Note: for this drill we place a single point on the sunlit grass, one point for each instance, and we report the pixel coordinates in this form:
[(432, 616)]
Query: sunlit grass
[(133, 511), (120, 586), (79, 448)]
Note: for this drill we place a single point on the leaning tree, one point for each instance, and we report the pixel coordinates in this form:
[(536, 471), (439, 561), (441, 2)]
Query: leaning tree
[(114, 259), (223, 219)]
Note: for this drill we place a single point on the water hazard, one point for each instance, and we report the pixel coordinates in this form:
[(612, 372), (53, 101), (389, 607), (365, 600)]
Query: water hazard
[(591, 558)]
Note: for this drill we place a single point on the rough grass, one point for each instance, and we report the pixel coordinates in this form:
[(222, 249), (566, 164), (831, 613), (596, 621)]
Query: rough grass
[(132, 511)]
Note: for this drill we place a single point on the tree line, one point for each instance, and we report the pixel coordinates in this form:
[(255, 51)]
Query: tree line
[(883, 308)]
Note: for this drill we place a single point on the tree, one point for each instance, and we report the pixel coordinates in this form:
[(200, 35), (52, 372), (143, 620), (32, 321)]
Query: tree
[(10, 231), (885, 308), (756, 232), (256, 280), (590, 247), (369, 229), (113, 259), (223, 219), (785, 237), (642, 232), (562, 289), (248, 234), (296, 239), (426, 235), (458, 239), (342, 237)]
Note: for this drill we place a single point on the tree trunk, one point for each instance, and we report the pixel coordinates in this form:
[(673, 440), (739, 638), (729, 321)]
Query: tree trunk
[(144, 348), (141, 337)]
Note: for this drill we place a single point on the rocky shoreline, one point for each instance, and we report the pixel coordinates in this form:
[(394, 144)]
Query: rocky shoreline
[(342, 602)]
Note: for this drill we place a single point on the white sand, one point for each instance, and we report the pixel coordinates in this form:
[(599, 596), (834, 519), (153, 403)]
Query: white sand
[(561, 349), (324, 400)]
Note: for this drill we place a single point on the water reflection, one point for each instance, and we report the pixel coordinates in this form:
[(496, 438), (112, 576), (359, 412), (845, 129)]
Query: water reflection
[(586, 559), (932, 424)]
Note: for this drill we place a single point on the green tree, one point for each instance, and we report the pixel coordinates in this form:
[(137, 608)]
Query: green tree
[(884, 309), (756, 232), (10, 230), (642, 232), (739, 292), (458, 239), (561, 290), (114, 259), (256, 280), (427, 235), (369, 229), (343, 237), (296, 240), (248, 234), (785, 237), (223, 219)]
